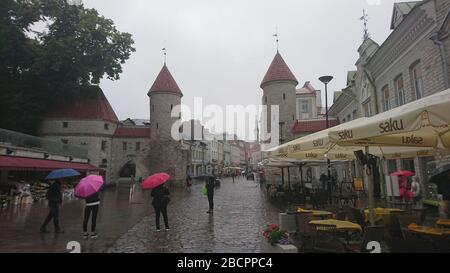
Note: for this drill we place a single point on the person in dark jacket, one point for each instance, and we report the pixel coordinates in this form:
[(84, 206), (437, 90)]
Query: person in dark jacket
[(210, 184), (324, 179), (55, 199), (92, 205), (160, 202)]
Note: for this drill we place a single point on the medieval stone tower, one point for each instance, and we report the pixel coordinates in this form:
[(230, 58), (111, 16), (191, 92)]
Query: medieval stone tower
[(279, 88), (166, 153)]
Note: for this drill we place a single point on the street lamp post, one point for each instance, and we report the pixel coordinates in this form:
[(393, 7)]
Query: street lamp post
[(281, 123), (326, 80), (281, 131)]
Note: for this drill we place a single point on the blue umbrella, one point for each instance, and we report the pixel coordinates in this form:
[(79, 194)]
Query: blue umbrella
[(62, 173)]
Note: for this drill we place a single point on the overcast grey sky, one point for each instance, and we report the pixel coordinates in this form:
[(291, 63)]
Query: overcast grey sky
[(221, 49)]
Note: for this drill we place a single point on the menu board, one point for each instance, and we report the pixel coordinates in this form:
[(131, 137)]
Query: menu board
[(358, 184)]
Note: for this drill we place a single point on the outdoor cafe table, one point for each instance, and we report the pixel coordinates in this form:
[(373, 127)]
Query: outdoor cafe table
[(345, 227), (340, 225), (382, 214), (443, 223), (317, 213), (432, 231)]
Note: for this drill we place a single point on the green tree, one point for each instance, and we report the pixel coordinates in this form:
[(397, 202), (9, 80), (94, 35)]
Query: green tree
[(41, 67)]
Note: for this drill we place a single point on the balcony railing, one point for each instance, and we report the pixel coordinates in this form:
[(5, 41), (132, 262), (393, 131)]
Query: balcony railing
[(15, 139)]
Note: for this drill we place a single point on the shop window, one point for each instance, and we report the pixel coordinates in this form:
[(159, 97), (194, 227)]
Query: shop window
[(392, 166), (65, 124), (106, 126), (408, 165)]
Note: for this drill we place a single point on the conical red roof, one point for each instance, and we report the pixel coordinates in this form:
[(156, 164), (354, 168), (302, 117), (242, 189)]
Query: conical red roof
[(165, 83), (278, 71), (91, 104)]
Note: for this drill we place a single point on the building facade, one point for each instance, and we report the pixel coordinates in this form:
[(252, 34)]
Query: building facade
[(124, 149), (413, 62), (114, 146)]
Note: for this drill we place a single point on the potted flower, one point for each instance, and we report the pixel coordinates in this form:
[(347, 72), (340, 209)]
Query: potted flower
[(274, 235)]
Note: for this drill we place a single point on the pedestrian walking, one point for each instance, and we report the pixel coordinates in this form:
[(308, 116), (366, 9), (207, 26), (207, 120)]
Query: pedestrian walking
[(160, 202), (55, 199), (188, 182), (415, 188), (233, 175), (91, 207), (210, 185)]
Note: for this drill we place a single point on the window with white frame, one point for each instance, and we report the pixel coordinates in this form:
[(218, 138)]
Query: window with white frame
[(400, 91), (416, 78), (305, 106)]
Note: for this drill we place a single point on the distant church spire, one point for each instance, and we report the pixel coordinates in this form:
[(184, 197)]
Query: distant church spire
[(276, 35), (365, 19)]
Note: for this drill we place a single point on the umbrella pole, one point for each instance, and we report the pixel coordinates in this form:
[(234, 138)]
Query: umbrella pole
[(369, 176), (282, 176), (289, 178), (301, 178)]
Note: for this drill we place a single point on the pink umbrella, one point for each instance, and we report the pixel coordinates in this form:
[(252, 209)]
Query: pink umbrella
[(403, 173), (154, 181), (88, 186)]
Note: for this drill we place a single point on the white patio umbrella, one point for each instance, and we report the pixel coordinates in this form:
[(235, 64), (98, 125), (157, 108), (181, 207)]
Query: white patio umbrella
[(421, 123), (421, 126)]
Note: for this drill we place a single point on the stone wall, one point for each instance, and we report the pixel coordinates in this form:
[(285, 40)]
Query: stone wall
[(77, 127), (167, 156), (274, 92), (121, 157)]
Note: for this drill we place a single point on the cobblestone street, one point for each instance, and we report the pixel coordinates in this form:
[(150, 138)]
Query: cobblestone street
[(241, 211)]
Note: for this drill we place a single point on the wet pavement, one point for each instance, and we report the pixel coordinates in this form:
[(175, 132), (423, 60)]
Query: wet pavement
[(126, 222), (119, 211), (241, 211)]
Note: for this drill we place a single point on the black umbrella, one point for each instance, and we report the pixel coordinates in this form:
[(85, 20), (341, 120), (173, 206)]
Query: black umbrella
[(438, 173)]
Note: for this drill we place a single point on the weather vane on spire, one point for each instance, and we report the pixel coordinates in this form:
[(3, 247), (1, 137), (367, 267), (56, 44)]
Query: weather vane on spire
[(276, 35), (365, 19), (165, 52)]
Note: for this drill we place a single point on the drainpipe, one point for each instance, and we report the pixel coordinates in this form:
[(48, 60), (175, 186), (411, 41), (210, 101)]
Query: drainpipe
[(440, 44), (375, 95)]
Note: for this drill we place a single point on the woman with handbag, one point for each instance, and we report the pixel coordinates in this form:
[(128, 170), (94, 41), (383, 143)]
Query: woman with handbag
[(160, 202)]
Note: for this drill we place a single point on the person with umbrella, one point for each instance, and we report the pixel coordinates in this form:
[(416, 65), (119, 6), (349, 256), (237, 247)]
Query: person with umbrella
[(404, 188), (55, 197), (160, 196), (88, 189)]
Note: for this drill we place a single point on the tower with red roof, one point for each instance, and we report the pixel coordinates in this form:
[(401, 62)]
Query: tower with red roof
[(166, 153), (279, 89)]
